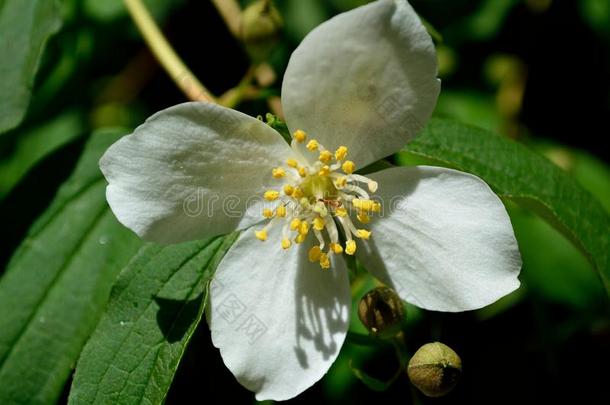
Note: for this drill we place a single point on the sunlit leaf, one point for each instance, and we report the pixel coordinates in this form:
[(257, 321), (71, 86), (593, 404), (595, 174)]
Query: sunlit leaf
[(152, 314), (58, 282)]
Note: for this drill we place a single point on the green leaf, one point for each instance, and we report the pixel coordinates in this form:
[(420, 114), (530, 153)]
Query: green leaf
[(25, 27), (153, 311), (33, 145), (58, 282), (525, 177), (561, 274)]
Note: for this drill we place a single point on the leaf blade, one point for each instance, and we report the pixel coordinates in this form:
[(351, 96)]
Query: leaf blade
[(153, 312), (58, 282), (39, 19)]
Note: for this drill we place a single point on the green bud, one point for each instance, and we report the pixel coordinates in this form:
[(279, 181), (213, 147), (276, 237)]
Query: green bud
[(260, 28), (382, 312), (434, 369)]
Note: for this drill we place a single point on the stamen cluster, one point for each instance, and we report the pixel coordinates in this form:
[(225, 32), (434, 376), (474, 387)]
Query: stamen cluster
[(315, 193)]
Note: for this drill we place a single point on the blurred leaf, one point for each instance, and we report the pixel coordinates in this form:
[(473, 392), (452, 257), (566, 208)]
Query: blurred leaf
[(561, 274), (153, 311), (469, 106), (597, 14), (58, 282), (594, 175), (108, 10), (302, 16), (36, 143), (516, 173), (25, 27), (485, 23)]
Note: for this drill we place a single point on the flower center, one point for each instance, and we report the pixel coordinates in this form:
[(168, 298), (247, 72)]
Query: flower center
[(316, 197)]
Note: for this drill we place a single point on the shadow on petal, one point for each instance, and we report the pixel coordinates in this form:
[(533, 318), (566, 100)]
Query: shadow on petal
[(319, 316)]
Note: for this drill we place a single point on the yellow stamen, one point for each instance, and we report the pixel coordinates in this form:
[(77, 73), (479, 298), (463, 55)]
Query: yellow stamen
[(302, 172), (341, 182), (261, 235), (312, 145), (304, 228), (336, 248), (363, 217), (363, 234), (341, 212), (286, 244), (321, 209), (267, 212), (366, 205), (373, 186), (288, 189), (341, 153), (295, 224), (299, 135), (348, 167), (278, 172), (298, 193), (300, 238), (324, 171), (350, 247), (292, 163), (324, 261), (318, 223), (271, 195), (281, 211), (325, 156), (314, 253)]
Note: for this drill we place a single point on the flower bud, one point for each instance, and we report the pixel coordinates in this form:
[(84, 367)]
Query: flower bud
[(260, 27), (382, 312), (434, 369)]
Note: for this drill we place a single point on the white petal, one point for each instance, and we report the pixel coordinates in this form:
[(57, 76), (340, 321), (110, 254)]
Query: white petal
[(190, 171), (278, 320), (445, 241), (365, 79)]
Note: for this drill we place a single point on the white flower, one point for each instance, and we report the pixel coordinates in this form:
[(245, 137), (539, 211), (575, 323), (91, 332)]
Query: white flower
[(362, 84)]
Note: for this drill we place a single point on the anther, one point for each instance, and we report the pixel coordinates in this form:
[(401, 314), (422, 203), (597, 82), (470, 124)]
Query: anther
[(288, 189), (314, 253), (324, 261), (278, 173), (271, 195), (341, 153), (281, 211), (348, 167), (336, 248), (350, 247), (312, 145), (318, 223), (261, 235), (325, 156), (363, 234), (299, 135)]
